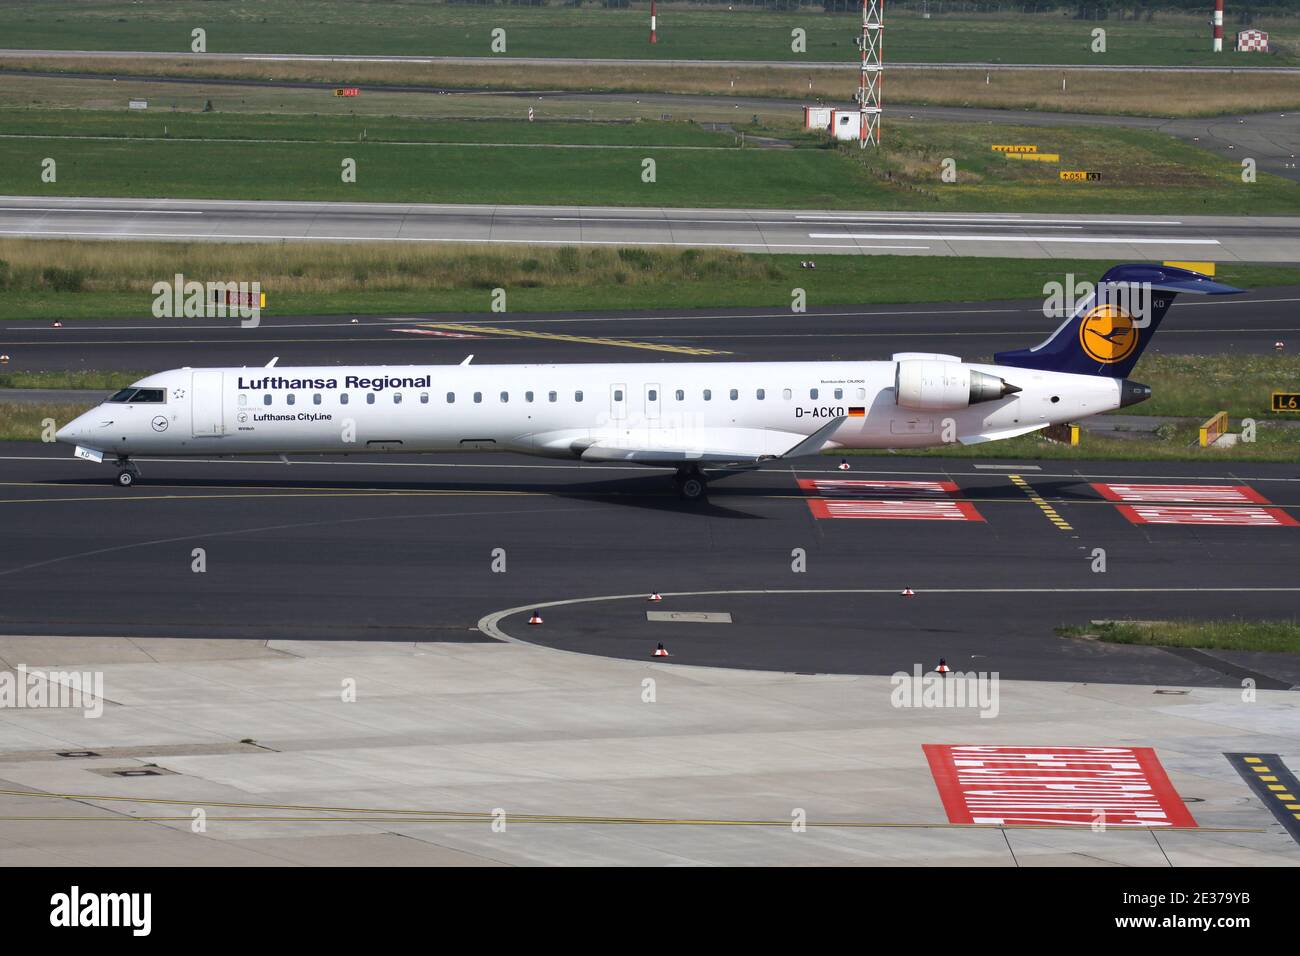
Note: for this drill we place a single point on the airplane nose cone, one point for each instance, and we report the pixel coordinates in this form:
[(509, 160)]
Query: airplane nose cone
[(69, 433)]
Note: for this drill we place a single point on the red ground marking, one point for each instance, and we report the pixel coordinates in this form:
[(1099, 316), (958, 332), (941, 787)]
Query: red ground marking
[(897, 510), (841, 487), (888, 500), (1198, 494), (1064, 786), (1251, 517)]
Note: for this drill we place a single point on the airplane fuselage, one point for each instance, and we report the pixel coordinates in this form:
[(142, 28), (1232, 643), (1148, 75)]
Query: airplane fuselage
[(561, 410)]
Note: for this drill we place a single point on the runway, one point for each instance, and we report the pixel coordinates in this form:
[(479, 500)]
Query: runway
[(405, 549), (1243, 238), (801, 64), (1245, 324)]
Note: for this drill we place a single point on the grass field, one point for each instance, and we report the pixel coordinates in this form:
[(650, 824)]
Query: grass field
[(23, 421), (286, 157), (1232, 634), (423, 29), (71, 279), (317, 128)]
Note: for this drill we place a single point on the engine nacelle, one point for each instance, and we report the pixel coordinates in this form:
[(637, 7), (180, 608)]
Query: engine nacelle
[(931, 385)]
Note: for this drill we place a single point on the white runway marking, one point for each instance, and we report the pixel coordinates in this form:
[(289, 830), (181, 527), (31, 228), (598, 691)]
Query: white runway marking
[(115, 210), (266, 237), (1009, 220), (953, 237)]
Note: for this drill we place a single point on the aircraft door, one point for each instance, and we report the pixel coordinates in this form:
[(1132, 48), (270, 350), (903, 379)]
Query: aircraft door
[(207, 404)]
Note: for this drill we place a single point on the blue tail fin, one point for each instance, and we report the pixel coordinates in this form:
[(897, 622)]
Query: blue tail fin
[(1109, 333)]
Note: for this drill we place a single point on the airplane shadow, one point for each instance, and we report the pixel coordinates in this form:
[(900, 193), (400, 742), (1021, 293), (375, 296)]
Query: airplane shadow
[(648, 492)]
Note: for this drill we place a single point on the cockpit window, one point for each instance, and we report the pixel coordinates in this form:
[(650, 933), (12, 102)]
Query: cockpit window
[(141, 396)]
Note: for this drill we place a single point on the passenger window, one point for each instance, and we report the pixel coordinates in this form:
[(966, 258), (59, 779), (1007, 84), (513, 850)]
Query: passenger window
[(618, 395), (451, 398), (577, 396), (343, 398), (315, 399), (785, 393), (839, 393), (243, 399), (735, 394), (424, 398), (478, 397), (681, 396), (862, 393), (505, 397), (397, 398), (708, 394), (761, 394), (812, 393), (528, 396), (290, 398), (652, 395), (552, 396), (370, 398), (266, 399)]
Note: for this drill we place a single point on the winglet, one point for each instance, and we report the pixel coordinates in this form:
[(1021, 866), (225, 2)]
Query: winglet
[(812, 445)]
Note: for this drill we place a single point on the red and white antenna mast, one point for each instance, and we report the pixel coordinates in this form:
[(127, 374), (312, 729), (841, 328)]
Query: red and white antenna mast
[(1218, 26), (871, 83), (654, 23)]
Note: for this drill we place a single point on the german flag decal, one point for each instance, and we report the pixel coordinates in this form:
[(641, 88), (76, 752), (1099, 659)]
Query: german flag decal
[(857, 411)]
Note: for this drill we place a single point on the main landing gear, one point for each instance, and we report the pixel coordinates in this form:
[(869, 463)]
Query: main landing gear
[(691, 485), (127, 473)]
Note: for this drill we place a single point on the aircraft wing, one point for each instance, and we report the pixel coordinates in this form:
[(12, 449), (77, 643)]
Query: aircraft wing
[(717, 446)]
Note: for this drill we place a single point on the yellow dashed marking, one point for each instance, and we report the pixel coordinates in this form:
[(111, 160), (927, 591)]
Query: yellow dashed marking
[(1051, 513), (560, 337)]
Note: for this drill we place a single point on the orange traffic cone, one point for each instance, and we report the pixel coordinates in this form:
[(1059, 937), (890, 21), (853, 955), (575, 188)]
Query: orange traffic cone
[(536, 618), (943, 668), (655, 596), (661, 651), (908, 592)]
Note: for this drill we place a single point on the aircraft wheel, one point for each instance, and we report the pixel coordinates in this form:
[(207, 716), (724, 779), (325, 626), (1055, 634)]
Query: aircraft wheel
[(125, 479), (691, 488)]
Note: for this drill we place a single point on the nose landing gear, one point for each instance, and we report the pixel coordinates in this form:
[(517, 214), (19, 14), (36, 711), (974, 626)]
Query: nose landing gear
[(127, 473)]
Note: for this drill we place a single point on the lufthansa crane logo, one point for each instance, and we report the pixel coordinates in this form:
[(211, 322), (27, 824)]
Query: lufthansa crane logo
[(159, 424), (1107, 334)]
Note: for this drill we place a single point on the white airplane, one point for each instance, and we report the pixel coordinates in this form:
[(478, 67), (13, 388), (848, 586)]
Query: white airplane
[(725, 416)]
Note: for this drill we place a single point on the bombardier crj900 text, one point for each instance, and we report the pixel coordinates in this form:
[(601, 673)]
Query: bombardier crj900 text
[(724, 416)]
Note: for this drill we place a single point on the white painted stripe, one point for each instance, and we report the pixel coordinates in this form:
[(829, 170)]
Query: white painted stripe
[(466, 240), (950, 237), (1013, 467), (1007, 220), (489, 624), (115, 210), (678, 220)]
